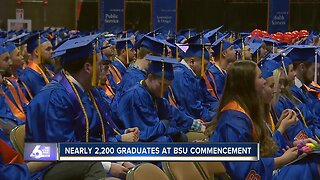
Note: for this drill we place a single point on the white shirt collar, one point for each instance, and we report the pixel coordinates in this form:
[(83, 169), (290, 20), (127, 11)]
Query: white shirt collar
[(297, 82), (185, 63), (76, 82)]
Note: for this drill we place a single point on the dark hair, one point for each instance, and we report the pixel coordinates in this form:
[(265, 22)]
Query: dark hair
[(240, 87), (297, 63), (76, 65), (145, 51)]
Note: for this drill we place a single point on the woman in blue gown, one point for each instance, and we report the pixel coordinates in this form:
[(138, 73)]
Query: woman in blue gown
[(241, 119)]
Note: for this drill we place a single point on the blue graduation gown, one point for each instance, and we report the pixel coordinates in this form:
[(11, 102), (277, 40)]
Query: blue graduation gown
[(14, 171), (53, 117), (6, 113), (298, 129), (219, 76), (138, 108), (121, 68), (33, 80), (235, 126), (131, 78), (190, 94)]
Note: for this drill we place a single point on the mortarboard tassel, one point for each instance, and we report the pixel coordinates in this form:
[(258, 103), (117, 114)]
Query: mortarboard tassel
[(273, 47), (202, 61), (220, 53), (189, 34), (177, 50), (316, 67), (242, 45), (127, 51), (39, 49), (162, 79), (20, 46), (284, 67), (257, 57), (94, 66)]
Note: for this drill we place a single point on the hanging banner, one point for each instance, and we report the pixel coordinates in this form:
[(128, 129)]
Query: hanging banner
[(278, 19), (164, 14), (112, 15)]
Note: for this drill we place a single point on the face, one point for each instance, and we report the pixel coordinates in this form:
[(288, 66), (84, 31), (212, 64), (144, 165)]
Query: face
[(268, 90), (155, 85), (308, 74), (247, 53), (16, 58), (46, 50), (259, 82), (169, 52), (104, 69), (230, 53), (263, 50), (195, 65), (109, 51), (5, 64), (282, 82), (291, 74)]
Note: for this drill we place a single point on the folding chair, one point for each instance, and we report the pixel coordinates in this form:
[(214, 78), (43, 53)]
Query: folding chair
[(17, 136), (213, 170), (182, 171), (146, 171)]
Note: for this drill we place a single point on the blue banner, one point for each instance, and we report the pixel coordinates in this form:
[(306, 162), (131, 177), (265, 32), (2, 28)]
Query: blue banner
[(164, 14), (159, 151), (278, 20), (112, 15)]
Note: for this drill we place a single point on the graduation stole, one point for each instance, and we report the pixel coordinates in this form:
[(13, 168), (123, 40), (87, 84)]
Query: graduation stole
[(65, 80), (212, 90), (16, 108), (27, 89), (37, 69), (317, 93), (272, 114), (8, 155), (108, 89), (14, 80), (172, 99), (115, 73), (233, 105)]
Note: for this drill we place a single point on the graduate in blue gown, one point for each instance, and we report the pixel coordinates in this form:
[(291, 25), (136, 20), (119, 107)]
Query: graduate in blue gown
[(240, 119), (223, 57), (36, 75), (69, 108), (55, 117), (188, 80), (12, 109), (138, 70), (125, 54), (143, 106)]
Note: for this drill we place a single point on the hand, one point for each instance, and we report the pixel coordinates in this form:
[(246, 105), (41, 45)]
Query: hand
[(134, 130), (118, 170), (290, 154), (287, 119), (129, 137), (128, 165)]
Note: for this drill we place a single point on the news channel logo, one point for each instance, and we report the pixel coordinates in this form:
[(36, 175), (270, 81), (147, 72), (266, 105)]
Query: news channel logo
[(40, 152)]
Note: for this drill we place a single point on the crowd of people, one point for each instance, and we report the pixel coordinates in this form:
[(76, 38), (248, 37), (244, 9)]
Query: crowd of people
[(209, 86)]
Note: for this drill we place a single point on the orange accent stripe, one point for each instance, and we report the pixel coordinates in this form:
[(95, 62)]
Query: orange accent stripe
[(212, 90), (14, 109), (115, 73), (172, 99), (233, 105), (27, 89), (108, 90), (21, 95), (36, 68)]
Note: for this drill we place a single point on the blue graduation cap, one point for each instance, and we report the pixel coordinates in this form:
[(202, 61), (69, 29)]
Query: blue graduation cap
[(3, 50), (267, 67), (302, 53), (162, 67), (198, 39), (33, 41), (10, 47), (220, 45), (255, 47), (282, 59), (197, 50), (212, 35), (187, 33), (154, 44), (78, 48), (18, 39), (124, 43)]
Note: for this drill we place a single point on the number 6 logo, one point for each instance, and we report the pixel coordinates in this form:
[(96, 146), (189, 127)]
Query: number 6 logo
[(36, 153)]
